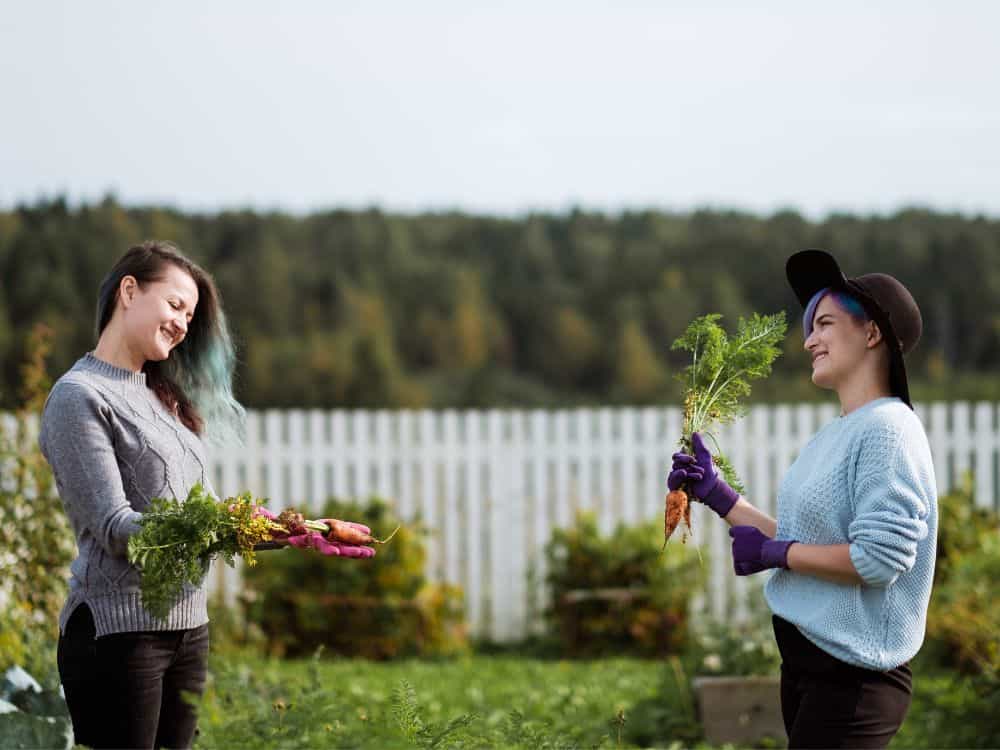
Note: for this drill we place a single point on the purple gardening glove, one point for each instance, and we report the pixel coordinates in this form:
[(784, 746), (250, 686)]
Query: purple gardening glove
[(699, 472), (754, 551)]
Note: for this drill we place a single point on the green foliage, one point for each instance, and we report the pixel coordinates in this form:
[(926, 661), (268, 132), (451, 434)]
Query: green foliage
[(24, 730), (549, 310), (382, 607), (638, 369), (302, 708), (957, 677), (964, 611), (474, 702), (177, 541), (41, 718), (619, 594), (739, 649), (36, 542), (406, 713), (668, 716), (718, 378), (951, 711), (518, 703), (963, 528), (967, 610)]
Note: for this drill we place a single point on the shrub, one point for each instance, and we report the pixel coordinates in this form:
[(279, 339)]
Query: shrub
[(962, 528), (619, 594), (740, 649), (378, 608), (965, 611), (961, 621), (36, 543)]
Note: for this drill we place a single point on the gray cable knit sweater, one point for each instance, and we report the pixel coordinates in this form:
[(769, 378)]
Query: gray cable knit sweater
[(112, 446)]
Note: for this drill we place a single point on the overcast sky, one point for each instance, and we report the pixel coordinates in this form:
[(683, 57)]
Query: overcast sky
[(503, 107)]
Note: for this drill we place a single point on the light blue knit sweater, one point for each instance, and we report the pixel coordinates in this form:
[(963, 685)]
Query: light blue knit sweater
[(865, 479)]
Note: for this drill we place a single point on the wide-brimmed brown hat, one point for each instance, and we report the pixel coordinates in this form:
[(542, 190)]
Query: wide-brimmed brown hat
[(884, 298)]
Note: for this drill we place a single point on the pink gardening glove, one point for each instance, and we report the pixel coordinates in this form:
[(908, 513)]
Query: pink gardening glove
[(315, 540)]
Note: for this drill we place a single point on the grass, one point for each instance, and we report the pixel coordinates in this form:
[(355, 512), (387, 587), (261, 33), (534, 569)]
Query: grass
[(496, 701), (499, 700)]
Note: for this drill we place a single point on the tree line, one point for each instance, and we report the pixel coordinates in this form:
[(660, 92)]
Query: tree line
[(374, 309)]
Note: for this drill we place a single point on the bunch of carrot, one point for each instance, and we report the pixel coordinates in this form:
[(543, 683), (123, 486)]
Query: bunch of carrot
[(716, 381), (290, 523), (177, 540)]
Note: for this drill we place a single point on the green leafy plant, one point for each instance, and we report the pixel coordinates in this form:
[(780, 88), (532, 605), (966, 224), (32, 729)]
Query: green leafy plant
[(475, 702), (737, 649), (383, 607), (715, 382), (961, 620), (720, 372), (36, 541), (406, 713), (177, 541), (617, 593)]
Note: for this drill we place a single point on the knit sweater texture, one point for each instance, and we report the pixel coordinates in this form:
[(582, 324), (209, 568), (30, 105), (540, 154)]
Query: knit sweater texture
[(113, 446), (867, 480)]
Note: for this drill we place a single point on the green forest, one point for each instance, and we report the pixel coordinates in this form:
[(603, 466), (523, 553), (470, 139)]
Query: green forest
[(365, 308)]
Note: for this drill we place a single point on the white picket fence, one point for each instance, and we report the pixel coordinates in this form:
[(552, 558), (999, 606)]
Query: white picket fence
[(492, 485)]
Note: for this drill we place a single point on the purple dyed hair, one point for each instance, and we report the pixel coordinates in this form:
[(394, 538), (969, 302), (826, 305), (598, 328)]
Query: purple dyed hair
[(845, 302)]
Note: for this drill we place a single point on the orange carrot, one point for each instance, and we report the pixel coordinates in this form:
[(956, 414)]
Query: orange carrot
[(343, 532), (677, 507)]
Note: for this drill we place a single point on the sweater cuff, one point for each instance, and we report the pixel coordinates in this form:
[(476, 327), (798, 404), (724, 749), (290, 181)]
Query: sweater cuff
[(872, 572)]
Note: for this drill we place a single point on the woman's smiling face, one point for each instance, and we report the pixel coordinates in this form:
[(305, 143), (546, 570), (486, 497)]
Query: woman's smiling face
[(157, 314), (838, 343)]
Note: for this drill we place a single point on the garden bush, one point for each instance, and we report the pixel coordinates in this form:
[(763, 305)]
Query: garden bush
[(619, 594), (378, 608), (961, 655), (962, 621), (36, 542), (737, 648)]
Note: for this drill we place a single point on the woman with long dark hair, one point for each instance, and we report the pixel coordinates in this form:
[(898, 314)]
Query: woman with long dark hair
[(125, 424), (853, 545)]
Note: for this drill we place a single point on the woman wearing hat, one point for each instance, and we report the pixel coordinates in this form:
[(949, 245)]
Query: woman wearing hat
[(853, 545)]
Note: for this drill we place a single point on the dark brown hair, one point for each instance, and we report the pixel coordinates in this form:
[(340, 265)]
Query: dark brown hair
[(195, 381)]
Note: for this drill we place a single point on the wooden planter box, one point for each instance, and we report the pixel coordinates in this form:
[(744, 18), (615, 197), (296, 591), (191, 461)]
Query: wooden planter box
[(740, 710)]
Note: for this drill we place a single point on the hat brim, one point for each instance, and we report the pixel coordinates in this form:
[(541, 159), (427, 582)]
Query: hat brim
[(811, 271)]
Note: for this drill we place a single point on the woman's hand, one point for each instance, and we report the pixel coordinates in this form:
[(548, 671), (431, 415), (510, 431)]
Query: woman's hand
[(701, 476)]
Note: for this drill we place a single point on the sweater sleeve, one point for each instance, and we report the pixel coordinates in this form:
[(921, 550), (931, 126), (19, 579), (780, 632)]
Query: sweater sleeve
[(76, 438), (891, 507)]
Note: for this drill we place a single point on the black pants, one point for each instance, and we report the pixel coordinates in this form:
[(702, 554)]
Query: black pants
[(126, 690), (826, 703)]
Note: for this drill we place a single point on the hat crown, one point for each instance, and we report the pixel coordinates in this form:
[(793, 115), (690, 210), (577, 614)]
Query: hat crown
[(897, 304)]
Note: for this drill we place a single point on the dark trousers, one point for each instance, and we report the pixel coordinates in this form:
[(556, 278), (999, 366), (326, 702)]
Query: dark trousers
[(826, 703), (127, 690)]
